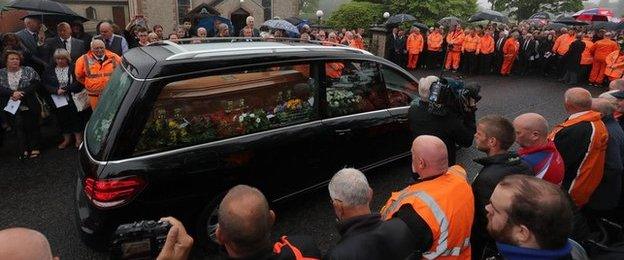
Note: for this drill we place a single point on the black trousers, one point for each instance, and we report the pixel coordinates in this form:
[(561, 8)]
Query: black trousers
[(485, 63), (26, 125), (470, 62), (497, 61), (584, 75), (435, 59)]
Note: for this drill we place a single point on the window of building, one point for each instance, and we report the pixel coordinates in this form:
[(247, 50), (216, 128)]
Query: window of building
[(210, 108), (184, 6), (354, 87), (91, 13)]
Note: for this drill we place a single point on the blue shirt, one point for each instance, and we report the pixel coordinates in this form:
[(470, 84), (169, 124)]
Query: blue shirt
[(520, 253)]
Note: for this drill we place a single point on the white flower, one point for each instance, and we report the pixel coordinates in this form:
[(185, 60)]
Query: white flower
[(252, 115), (257, 120), (240, 119)]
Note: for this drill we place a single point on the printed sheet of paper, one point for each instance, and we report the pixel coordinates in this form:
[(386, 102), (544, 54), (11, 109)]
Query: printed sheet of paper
[(12, 106), (59, 101)]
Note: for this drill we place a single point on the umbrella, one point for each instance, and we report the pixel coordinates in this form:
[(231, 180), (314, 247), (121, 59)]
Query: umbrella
[(489, 15), (609, 26), (421, 26), (294, 20), (281, 25), (449, 21), (55, 17), (45, 6), (593, 14), (555, 26), (569, 21), (400, 18), (537, 22), (541, 16)]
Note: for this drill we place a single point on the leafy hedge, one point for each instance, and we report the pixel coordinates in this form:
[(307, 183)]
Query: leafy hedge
[(356, 15)]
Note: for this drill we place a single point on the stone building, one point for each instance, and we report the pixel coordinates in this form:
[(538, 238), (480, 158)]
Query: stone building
[(99, 10), (170, 13)]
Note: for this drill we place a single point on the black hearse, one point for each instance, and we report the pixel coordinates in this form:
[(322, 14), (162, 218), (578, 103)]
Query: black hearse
[(179, 124)]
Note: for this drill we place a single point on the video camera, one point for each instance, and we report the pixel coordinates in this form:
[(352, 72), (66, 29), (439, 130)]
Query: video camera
[(140, 240), (450, 95)]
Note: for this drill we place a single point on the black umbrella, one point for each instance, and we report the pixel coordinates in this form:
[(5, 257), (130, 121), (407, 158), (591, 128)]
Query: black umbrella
[(400, 18), (489, 15), (555, 26), (55, 17), (609, 26), (449, 21), (541, 15), (421, 26), (570, 21), (45, 6)]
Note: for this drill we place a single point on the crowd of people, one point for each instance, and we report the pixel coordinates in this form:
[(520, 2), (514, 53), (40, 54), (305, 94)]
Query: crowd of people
[(522, 204), (62, 71), (574, 55)]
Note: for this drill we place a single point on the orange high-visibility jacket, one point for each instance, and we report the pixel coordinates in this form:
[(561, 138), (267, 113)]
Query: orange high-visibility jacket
[(471, 43), (94, 75), (434, 41), (615, 65), (445, 204), (486, 45), (456, 39), (415, 43), (562, 44), (582, 142), (511, 47), (334, 69), (586, 57), (602, 48)]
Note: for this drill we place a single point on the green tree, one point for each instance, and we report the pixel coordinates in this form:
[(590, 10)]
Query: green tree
[(356, 15), (523, 9), (430, 11)]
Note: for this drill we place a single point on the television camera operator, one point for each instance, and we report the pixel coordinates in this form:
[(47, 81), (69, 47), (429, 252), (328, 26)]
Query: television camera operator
[(446, 109)]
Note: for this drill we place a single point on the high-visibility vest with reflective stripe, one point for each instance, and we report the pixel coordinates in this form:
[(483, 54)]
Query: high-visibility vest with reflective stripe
[(615, 65), (96, 75), (446, 203)]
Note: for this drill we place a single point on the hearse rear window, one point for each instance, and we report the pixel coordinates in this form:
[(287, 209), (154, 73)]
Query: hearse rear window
[(210, 108)]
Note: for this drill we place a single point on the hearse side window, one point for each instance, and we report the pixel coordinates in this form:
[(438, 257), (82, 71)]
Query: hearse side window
[(210, 108), (353, 87), (400, 88), (106, 110)]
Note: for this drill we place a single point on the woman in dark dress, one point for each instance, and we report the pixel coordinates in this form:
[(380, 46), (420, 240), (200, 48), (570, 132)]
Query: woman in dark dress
[(18, 83), (59, 80)]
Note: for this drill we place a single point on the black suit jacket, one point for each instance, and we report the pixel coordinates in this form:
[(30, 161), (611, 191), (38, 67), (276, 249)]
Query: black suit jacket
[(526, 51), (51, 83), (77, 48)]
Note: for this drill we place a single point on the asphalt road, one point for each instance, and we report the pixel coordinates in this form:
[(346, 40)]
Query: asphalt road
[(38, 193)]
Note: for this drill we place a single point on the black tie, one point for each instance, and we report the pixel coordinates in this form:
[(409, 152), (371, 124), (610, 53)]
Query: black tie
[(107, 43), (65, 44), (35, 37)]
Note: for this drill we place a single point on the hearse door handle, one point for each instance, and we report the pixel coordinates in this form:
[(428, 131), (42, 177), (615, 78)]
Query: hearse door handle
[(342, 131), (402, 119)]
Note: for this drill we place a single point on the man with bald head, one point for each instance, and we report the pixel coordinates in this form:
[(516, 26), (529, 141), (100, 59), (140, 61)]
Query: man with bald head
[(435, 207), (113, 42), (24, 244), (535, 148), (244, 230), (64, 40), (582, 141)]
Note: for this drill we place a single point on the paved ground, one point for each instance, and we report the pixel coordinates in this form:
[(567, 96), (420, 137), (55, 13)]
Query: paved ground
[(38, 193)]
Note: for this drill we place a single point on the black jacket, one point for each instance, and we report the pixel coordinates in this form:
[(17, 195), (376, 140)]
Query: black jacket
[(368, 237), (451, 128), (77, 48), (528, 49), (304, 244), (610, 187), (573, 57), (495, 168)]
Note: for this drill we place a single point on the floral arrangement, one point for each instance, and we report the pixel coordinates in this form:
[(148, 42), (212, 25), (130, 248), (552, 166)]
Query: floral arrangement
[(254, 121), (342, 101)]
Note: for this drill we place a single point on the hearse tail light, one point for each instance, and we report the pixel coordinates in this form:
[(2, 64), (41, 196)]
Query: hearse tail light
[(114, 192)]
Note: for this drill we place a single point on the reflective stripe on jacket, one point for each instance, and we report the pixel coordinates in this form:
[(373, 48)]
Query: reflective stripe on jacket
[(445, 204), (94, 75), (615, 65), (582, 142), (434, 41)]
